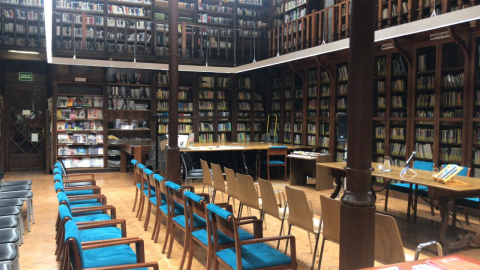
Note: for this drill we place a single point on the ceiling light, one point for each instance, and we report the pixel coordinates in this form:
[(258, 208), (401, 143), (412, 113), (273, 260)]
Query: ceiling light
[(23, 52)]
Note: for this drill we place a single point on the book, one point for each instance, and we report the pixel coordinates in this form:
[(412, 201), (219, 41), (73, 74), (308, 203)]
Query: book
[(65, 114), (97, 102), (81, 150), (70, 101), (452, 263), (69, 126), (91, 138), (91, 113), (62, 102)]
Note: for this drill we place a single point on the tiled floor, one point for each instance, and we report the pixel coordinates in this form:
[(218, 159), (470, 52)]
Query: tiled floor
[(37, 252)]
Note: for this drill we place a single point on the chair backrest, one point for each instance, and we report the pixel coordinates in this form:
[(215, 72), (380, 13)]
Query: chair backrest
[(278, 153), (138, 174), (269, 201), (174, 194), (388, 243), (147, 175), (159, 188), (464, 172), (74, 244), (232, 185), (220, 219), (299, 209), (207, 176), (331, 218), (187, 159), (423, 165), (218, 179), (194, 204), (246, 191)]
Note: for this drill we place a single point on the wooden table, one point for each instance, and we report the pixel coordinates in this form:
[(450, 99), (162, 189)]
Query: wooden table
[(302, 166), (140, 149), (409, 265), (461, 187)]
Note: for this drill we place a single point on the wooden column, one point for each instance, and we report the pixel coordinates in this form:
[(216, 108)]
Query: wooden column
[(173, 152), (357, 225)]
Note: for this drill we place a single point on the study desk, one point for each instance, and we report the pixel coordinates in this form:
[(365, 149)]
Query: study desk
[(140, 149), (302, 166), (461, 187), (409, 265)]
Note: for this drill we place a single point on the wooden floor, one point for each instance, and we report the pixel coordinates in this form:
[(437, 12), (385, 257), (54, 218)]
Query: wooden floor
[(37, 252)]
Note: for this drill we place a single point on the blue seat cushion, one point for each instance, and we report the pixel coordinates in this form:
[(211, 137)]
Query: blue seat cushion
[(85, 205), (144, 186), (178, 209), (254, 256), (100, 234), (404, 187), (223, 239), (154, 201), (109, 256), (469, 202), (198, 222), (79, 192), (274, 162), (89, 218)]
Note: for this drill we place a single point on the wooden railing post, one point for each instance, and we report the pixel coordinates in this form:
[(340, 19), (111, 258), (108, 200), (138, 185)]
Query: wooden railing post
[(380, 13), (347, 19)]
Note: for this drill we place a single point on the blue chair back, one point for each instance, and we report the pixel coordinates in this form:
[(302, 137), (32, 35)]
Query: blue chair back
[(220, 220), (134, 161), (64, 212), (423, 165), (59, 187), (62, 199), (57, 178), (72, 235)]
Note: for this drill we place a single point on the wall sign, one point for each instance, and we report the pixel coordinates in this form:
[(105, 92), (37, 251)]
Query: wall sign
[(25, 76)]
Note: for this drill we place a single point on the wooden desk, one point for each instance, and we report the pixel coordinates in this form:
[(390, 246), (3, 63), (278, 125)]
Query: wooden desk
[(461, 187), (139, 150), (409, 265), (302, 166)]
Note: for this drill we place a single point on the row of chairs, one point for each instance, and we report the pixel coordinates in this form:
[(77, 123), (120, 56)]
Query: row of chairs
[(416, 191), (89, 235), (13, 195), (212, 226)]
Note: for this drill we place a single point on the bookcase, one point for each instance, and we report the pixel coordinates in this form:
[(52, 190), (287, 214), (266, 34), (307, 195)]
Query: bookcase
[(129, 106), (224, 99), (288, 105), (475, 105), (341, 104), (78, 125), (260, 95), (206, 108), (22, 24), (312, 114), (325, 100), (244, 114)]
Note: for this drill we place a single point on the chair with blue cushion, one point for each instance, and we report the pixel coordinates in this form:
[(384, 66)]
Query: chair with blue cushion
[(251, 253), (276, 157), (142, 188), (89, 231), (161, 207), (407, 187), (106, 254), (136, 182), (73, 179), (149, 194), (176, 219)]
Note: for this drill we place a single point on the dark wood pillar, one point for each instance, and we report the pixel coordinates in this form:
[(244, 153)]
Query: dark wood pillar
[(357, 225), (173, 152)]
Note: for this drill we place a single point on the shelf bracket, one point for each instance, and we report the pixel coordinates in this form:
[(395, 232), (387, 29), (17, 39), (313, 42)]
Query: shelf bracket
[(403, 53), (460, 42), (296, 71), (329, 71)]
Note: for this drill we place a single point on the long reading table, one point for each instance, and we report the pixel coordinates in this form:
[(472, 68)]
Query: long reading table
[(461, 187)]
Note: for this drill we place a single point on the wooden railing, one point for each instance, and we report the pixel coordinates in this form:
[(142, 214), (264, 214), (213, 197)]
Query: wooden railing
[(332, 24)]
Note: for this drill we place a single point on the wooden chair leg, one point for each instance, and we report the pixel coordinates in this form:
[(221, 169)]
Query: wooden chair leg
[(147, 215), (167, 234), (432, 209), (170, 244), (155, 224), (465, 212), (268, 172), (136, 198), (286, 178), (386, 196), (186, 245)]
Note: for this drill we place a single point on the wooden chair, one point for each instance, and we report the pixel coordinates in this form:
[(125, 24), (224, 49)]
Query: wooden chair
[(218, 180), (248, 194), (409, 188), (107, 254), (276, 157), (270, 205), (189, 171), (136, 182), (232, 185), (301, 216), (141, 188), (161, 208), (207, 175), (388, 243), (330, 222), (247, 254), (151, 195)]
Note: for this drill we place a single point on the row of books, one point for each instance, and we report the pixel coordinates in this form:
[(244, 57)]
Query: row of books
[(243, 137), (425, 100), (325, 104), (215, 8), (453, 81), (324, 141), (397, 133), (128, 91), (424, 134), (380, 148), (79, 5), (34, 3), (382, 66), (424, 150), (80, 138), (451, 154), (399, 66), (80, 150), (67, 114), (297, 127), (452, 113), (82, 162), (342, 73), (398, 85), (181, 5), (379, 132), (397, 149), (452, 99), (79, 125), (78, 19), (130, 11), (205, 137), (125, 104), (88, 101), (398, 101), (205, 18), (453, 135), (226, 126), (342, 89)]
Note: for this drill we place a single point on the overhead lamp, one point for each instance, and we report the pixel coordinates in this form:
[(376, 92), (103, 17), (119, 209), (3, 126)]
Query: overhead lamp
[(23, 52)]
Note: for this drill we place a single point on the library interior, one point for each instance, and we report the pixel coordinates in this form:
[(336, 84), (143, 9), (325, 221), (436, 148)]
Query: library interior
[(99, 95)]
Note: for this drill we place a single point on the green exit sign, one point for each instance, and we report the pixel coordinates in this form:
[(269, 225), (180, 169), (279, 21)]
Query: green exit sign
[(25, 76)]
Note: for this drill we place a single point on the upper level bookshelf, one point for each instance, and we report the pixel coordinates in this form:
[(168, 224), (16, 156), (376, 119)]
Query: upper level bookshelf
[(22, 25)]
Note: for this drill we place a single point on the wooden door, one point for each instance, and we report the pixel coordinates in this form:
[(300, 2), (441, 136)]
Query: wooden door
[(25, 104)]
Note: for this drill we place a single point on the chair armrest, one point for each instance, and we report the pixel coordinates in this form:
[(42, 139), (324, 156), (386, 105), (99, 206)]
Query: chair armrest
[(189, 188), (257, 225), (75, 198), (111, 242), (267, 239), (226, 206), (105, 223), (154, 265), (92, 181), (80, 210), (246, 218), (426, 244), (80, 174), (95, 188), (205, 196)]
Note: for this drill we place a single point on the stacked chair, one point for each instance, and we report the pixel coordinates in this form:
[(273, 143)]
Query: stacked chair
[(89, 235), (13, 195)]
